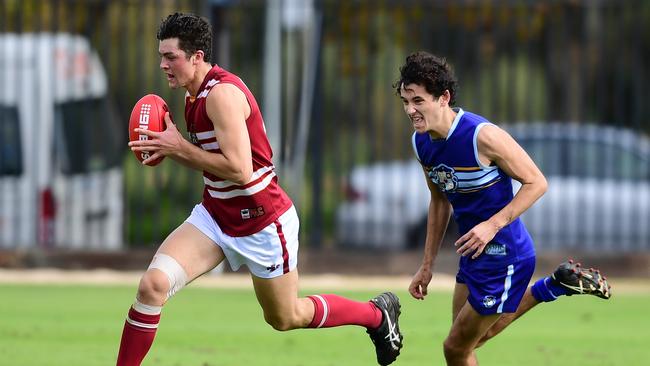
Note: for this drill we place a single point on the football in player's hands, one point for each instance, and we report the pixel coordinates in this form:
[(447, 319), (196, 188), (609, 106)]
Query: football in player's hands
[(149, 114)]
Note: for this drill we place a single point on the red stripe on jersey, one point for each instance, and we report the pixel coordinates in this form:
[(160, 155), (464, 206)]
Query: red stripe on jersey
[(283, 242), (208, 140)]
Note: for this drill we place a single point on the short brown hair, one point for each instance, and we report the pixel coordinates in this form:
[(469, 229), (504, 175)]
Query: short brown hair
[(429, 71)]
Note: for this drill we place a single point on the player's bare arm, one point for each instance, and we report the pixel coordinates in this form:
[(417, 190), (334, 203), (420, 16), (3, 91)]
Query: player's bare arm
[(228, 109), (437, 221), (496, 146)]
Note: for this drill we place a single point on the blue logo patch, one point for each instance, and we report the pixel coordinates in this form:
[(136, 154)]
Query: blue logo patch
[(444, 177)]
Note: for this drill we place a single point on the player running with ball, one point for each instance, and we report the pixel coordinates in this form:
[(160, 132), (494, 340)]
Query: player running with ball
[(245, 217)]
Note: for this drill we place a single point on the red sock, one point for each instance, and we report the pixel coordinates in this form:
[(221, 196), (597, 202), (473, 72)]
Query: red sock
[(333, 310), (137, 337)]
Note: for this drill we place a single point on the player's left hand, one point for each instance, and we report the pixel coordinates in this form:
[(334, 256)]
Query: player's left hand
[(167, 142), (418, 286), (475, 240)]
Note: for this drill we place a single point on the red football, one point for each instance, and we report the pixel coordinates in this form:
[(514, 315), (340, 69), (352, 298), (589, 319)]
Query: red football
[(148, 113)]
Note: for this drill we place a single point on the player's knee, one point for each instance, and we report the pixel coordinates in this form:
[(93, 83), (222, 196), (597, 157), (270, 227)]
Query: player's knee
[(454, 350), (280, 322), (153, 288), (162, 280)]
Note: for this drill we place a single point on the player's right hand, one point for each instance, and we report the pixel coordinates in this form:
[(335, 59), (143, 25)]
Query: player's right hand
[(164, 143), (418, 286)]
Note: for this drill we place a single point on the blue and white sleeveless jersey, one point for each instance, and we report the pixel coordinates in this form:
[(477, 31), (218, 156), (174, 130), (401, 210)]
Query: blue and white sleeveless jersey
[(475, 191)]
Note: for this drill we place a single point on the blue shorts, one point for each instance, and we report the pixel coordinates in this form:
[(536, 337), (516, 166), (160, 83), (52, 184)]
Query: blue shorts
[(497, 290)]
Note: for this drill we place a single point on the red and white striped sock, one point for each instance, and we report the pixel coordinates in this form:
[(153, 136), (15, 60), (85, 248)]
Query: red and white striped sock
[(334, 310), (138, 334)]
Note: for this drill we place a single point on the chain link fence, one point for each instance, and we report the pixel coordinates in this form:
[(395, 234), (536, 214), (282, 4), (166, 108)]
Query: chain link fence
[(323, 73)]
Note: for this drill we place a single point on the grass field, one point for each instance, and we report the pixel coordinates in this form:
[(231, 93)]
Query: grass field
[(67, 325)]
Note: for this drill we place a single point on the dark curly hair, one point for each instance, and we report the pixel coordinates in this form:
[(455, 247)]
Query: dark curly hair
[(193, 32), (429, 71)]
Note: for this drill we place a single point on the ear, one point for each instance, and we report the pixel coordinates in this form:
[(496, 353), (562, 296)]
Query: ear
[(198, 57), (445, 98)]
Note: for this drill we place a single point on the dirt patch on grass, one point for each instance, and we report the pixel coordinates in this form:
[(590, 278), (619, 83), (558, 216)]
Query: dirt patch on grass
[(235, 280), (218, 280)]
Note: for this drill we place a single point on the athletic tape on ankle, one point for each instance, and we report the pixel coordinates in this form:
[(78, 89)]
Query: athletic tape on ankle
[(172, 269)]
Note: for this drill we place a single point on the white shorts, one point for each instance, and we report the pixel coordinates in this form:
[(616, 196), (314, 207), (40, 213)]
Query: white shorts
[(269, 253)]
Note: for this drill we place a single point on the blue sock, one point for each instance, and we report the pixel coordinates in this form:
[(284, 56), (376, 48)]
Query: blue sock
[(546, 290)]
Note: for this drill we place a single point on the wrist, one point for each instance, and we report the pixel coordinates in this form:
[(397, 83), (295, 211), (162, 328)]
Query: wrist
[(427, 265), (497, 224), (184, 148)]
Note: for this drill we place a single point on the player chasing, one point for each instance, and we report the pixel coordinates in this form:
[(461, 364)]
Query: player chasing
[(245, 217), (469, 164)]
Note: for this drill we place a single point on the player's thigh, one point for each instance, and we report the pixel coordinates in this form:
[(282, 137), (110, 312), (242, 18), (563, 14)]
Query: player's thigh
[(469, 326), (192, 249), (459, 299)]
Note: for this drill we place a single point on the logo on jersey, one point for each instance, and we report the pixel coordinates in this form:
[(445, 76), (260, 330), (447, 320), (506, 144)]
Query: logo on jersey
[(495, 249), (249, 213), (489, 301), (444, 177)]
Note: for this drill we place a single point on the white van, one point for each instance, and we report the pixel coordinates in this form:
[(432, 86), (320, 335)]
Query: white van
[(60, 148)]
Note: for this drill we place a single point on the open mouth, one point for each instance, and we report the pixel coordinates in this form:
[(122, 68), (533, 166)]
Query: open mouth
[(418, 122)]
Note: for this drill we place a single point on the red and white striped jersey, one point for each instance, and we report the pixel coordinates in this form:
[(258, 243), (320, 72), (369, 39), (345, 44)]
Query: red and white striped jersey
[(240, 210)]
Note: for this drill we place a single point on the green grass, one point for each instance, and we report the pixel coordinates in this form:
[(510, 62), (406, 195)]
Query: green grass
[(81, 325)]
